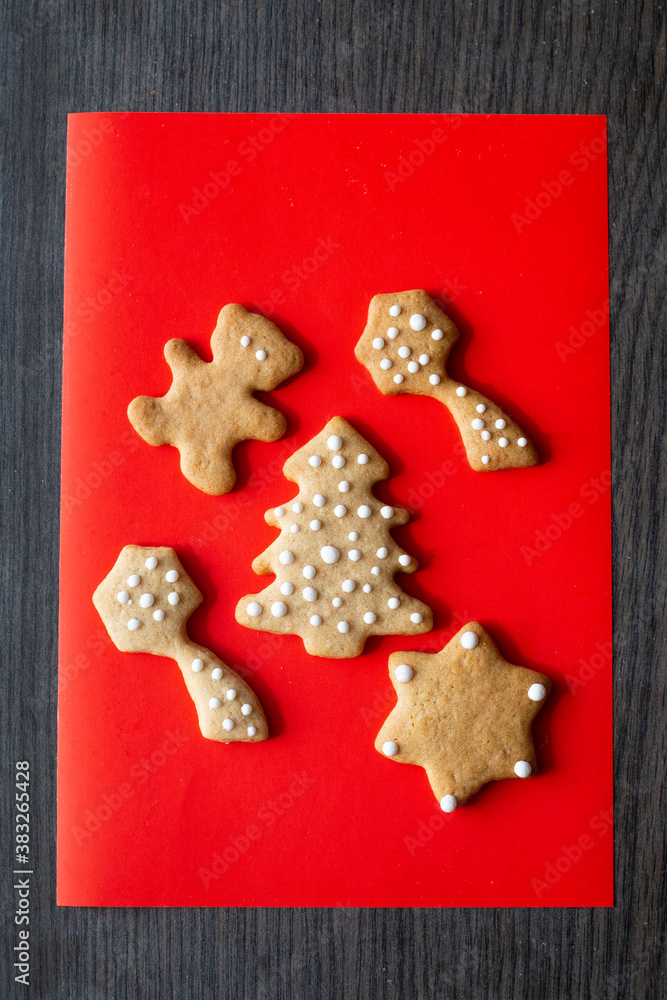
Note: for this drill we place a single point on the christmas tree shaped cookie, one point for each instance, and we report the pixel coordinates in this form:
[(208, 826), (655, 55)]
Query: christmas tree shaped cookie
[(463, 714), (210, 406), (145, 602), (335, 558), (405, 347)]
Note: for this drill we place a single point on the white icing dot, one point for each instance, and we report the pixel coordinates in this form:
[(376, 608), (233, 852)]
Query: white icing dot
[(437, 335), (390, 749), (231, 694), (122, 597), (279, 512), (214, 703), (448, 803), (286, 588), (146, 600), (395, 310), (246, 709), (398, 378), (315, 461), (501, 424), (197, 665), (334, 442), (338, 461), (375, 571), (228, 724), (461, 391), (133, 624), (294, 528), (434, 379), (370, 617), (537, 692), (171, 576), (477, 424), (309, 594), (485, 435), (319, 500), (393, 603), (151, 562), (354, 555), (245, 341), (309, 572), (278, 609), (340, 510), (353, 536), (416, 618), (404, 351), (522, 769), (134, 580), (297, 507), (481, 408), (330, 554), (254, 609), (385, 364), (315, 525), (286, 557), (417, 321), (382, 553), (337, 602), (392, 332), (344, 486), (522, 442), (424, 359), (387, 511), (252, 731), (158, 616), (343, 627), (216, 674), (404, 560), (378, 343), (413, 367), (503, 442), (485, 459), (315, 620), (364, 511), (362, 459), (260, 355), (348, 586), (173, 598), (469, 640), (367, 588), (403, 673)]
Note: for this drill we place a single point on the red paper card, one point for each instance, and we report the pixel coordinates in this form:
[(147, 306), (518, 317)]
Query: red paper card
[(304, 218)]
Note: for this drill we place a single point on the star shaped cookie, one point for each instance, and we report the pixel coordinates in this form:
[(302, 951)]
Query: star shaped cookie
[(463, 714), (210, 406)]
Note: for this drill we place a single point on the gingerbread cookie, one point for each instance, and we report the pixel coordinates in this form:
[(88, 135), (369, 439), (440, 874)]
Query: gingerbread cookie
[(145, 602), (405, 347), (463, 714), (335, 558), (210, 406)]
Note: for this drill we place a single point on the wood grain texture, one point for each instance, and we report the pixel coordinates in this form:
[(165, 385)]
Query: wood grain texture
[(532, 56)]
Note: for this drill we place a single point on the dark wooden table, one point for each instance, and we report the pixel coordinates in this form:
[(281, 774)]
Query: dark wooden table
[(518, 56)]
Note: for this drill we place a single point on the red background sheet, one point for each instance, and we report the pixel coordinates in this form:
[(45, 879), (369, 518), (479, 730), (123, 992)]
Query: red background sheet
[(305, 218)]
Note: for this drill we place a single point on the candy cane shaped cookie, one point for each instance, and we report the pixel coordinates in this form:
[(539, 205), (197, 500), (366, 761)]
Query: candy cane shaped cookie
[(145, 603), (405, 347)]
